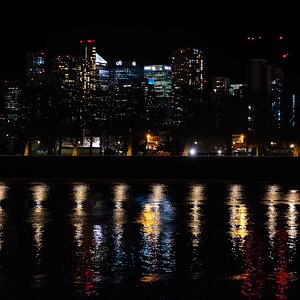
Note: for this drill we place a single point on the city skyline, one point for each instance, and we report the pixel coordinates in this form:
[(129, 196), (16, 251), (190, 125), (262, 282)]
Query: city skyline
[(227, 51)]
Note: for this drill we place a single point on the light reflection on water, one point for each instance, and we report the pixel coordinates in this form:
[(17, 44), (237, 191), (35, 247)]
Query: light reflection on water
[(247, 243), (196, 198), (238, 218), (78, 217), (38, 215), (84, 276), (120, 195), (95, 237), (283, 231), (156, 234), (3, 194)]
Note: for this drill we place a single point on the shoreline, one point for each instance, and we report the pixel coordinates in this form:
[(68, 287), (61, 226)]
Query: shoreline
[(262, 168)]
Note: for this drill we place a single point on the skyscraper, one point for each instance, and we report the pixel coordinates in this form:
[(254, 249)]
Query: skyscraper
[(127, 97), (220, 99), (188, 85), (36, 69), (239, 109), (159, 98), (88, 55), (126, 90), (12, 97), (102, 73), (266, 112), (67, 75)]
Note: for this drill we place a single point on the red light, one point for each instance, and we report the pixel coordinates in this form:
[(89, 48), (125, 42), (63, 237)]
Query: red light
[(87, 41), (285, 55), (281, 37), (248, 38)]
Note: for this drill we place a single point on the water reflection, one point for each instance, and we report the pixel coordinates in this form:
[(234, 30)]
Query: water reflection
[(157, 234), (282, 226), (282, 210), (84, 273), (292, 198), (38, 215), (238, 218), (79, 195), (120, 195), (246, 245), (272, 197), (3, 191), (3, 195), (150, 239), (253, 261), (285, 242), (195, 199)]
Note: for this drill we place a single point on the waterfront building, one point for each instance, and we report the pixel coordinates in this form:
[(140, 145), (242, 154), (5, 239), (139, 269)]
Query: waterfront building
[(159, 96), (188, 88)]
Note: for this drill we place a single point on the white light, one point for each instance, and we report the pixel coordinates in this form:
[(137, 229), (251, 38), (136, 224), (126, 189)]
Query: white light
[(119, 63), (192, 151), (134, 63), (219, 151)]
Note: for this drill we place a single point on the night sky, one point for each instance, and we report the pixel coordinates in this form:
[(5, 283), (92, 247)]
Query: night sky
[(149, 35)]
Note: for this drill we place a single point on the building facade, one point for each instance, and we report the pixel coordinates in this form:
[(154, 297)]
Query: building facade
[(188, 86), (159, 96)]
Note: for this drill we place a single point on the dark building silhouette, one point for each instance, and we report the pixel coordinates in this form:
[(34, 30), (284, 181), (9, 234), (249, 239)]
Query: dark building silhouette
[(220, 101), (159, 96), (88, 56), (36, 69), (189, 86), (266, 111), (127, 99)]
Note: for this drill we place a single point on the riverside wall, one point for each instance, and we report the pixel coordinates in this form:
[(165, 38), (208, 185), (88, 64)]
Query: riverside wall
[(150, 167)]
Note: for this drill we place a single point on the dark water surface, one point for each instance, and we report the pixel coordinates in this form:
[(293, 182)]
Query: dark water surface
[(149, 240)]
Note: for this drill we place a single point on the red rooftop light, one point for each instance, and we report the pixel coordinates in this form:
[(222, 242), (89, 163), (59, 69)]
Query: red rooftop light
[(87, 41)]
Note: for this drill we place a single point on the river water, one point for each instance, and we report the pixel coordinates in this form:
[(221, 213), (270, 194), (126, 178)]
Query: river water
[(149, 240)]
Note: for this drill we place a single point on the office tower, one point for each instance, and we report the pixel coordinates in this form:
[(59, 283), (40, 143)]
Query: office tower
[(220, 101), (88, 56), (102, 73), (126, 90), (265, 98), (188, 85), (239, 108), (102, 91), (12, 101), (67, 74), (277, 99), (159, 96), (294, 112), (36, 69)]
